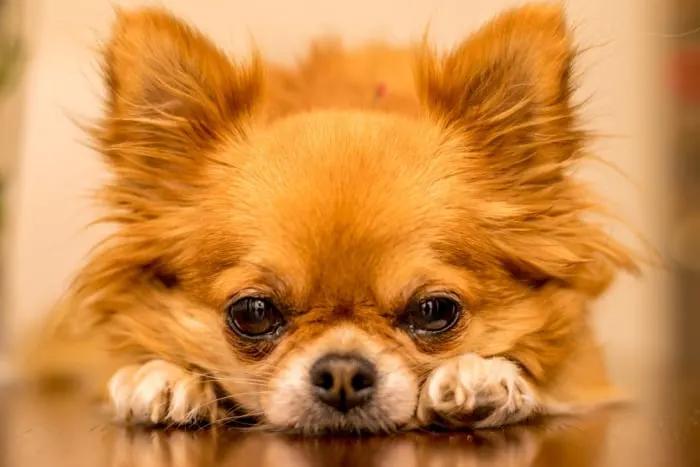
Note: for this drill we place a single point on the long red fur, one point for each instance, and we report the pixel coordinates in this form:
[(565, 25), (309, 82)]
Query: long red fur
[(505, 135)]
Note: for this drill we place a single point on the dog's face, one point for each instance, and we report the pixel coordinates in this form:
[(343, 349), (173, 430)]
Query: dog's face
[(319, 266)]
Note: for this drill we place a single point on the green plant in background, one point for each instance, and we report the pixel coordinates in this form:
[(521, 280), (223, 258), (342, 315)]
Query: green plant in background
[(9, 52), (9, 56), (9, 60)]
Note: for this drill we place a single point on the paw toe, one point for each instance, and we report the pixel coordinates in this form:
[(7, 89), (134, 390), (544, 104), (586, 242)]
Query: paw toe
[(475, 392), (158, 393)]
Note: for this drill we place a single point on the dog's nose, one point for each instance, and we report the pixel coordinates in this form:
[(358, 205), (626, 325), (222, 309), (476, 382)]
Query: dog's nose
[(343, 381)]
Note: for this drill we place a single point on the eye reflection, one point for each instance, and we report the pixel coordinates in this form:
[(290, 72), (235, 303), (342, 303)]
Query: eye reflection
[(431, 315), (254, 317)]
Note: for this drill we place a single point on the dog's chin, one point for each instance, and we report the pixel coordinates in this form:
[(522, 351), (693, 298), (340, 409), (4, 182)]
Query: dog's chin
[(317, 420)]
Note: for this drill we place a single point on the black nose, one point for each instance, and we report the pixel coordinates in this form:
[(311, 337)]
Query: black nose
[(343, 381)]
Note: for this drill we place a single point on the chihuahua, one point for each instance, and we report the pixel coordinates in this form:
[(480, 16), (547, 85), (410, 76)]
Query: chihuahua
[(360, 243)]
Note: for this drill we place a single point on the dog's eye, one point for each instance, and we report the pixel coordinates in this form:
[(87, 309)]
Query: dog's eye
[(254, 317), (432, 315)]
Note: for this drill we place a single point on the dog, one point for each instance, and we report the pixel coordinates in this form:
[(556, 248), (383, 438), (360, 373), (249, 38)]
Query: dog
[(374, 240)]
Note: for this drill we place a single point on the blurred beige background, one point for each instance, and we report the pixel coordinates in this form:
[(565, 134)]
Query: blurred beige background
[(50, 191)]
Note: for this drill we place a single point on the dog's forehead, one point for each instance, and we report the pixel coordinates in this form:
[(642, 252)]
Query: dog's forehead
[(335, 197), (344, 144), (341, 174)]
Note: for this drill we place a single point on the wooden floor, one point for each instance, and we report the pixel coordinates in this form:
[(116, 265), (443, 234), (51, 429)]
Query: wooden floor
[(63, 432)]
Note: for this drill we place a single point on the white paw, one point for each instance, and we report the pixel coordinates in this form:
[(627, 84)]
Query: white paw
[(476, 392), (159, 392)]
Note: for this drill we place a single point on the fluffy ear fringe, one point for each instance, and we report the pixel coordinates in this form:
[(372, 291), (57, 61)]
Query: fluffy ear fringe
[(508, 88), (172, 97), (506, 93)]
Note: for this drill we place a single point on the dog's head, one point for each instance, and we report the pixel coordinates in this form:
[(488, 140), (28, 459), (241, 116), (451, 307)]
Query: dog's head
[(320, 265)]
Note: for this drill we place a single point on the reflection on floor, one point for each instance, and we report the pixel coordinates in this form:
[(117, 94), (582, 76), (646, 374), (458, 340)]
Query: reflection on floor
[(63, 432)]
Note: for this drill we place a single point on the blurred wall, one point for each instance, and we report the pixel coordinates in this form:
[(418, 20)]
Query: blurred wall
[(56, 172)]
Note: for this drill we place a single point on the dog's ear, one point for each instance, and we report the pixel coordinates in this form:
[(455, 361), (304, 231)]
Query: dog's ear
[(172, 97), (506, 94), (507, 89)]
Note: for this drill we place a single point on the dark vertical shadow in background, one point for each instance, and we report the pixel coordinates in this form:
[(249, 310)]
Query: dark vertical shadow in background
[(684, 82)]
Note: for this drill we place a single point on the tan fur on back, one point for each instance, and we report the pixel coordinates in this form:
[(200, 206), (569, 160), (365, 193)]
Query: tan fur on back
[(333, 76)]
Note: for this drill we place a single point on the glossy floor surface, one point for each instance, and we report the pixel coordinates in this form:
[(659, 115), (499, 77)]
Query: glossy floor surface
[(661, 429)]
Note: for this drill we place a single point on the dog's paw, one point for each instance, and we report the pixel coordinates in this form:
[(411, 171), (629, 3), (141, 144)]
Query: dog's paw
[(159, 392), (476, 392)]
